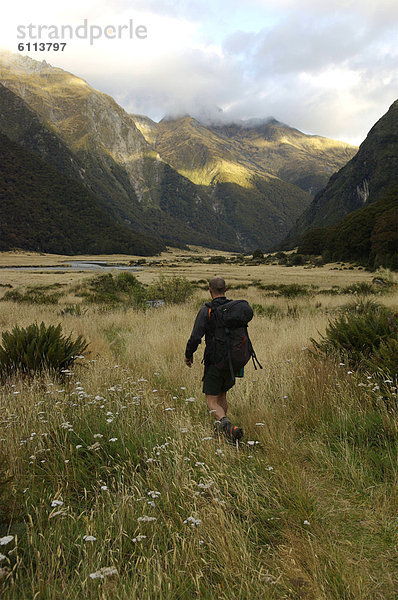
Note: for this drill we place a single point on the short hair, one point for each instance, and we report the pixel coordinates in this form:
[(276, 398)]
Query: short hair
[(217, 285)]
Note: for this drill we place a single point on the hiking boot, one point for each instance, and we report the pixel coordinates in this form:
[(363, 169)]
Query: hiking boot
[(225, 427)]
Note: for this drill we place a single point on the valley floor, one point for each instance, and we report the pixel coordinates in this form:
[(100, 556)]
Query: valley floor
[(116, 466)]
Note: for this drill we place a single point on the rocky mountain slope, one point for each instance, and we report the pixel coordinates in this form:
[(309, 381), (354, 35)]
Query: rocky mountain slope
[(178, 179), (42, 209), (365, 179), (239, 152)]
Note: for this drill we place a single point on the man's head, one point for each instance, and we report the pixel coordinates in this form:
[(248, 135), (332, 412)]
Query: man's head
[(217, 287)]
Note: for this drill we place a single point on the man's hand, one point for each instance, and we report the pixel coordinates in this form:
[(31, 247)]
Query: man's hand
[(189, 361)]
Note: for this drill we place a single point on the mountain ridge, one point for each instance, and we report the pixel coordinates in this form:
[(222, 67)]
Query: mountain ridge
[(221, 194), (367, 177)]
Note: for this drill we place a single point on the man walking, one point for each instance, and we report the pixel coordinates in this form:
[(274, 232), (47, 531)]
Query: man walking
[(216, 381)]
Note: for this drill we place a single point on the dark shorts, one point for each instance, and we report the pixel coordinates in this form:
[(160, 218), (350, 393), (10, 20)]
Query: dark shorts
[(216, 381)]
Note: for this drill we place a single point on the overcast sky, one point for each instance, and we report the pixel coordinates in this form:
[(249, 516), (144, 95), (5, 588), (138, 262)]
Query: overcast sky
[(323, 66)]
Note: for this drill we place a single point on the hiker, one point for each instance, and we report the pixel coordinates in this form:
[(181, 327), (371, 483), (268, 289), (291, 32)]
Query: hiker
[(228, 349)]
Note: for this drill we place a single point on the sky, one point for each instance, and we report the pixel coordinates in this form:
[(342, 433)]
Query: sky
[(326, 67)]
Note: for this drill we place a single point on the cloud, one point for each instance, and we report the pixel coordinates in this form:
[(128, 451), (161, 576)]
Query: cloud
[(325, 67)]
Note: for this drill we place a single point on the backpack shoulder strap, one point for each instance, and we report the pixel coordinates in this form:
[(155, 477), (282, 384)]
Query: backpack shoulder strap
[(211, 308)]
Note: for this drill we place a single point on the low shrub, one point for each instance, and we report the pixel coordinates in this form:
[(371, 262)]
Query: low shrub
[(32, 296), (258, 254), (365, 336), (217, 260), (37, 348), (270, 311), (76, 310), (173, 290), (123, 288), (292, 290), (363, 288)]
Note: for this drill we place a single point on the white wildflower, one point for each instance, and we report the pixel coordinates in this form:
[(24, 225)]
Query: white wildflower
[(260, 424), (79, 446), (2, 556), (252, 442), (146, 519), (98, 435), (113, 439), (104, 487), (139, 538), (207, 438), (89, 538), (184, 429), (199, 464), (56, 503), (104, 572), (169, 408), (153, 494), (191, 399), (306, 522), (6, 540), (192, 521)]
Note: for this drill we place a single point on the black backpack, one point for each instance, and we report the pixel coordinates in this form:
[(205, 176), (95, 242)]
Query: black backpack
[(232, 347)]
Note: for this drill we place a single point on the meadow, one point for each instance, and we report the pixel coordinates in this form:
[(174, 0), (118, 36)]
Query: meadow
[(113, 485)]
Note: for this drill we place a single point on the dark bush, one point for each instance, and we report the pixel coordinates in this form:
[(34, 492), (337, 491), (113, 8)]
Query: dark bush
[(123, 288), (36, 348), (296, 260), (270, 311), (32, 296), (365, 337), (258, 254), (293, 290), (173, 290), (217, 260)]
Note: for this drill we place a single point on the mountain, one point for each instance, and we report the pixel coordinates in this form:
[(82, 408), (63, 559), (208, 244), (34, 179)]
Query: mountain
[(368, 235), (113, 159), (22, 125), (43, 210), (237, 152), (303, 160), (365, 179), (178, 179)]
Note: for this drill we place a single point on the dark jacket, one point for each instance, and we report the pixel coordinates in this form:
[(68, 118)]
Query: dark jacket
[(204, 326)]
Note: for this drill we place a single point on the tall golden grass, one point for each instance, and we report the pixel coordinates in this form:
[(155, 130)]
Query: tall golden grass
[(307, 510)]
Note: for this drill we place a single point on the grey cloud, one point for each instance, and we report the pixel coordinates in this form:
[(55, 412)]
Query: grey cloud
[(260, 73)]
